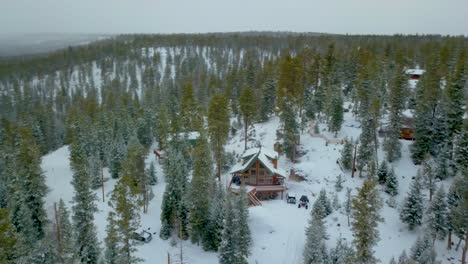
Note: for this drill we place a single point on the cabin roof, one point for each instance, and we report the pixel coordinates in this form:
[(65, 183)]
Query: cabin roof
[(264, 156)]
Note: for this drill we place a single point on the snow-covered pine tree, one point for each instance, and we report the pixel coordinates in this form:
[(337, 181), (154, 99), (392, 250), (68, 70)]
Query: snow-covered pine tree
[(336, 118), (64, 234), (202, 186), (218, 128), (324, 203), (391, 184), (94, 169), (247, 109), (112, 240), (366, 216), (290, 130), (348, 203), (366, 145), (453, 201), (403, 258), (339, 183), (423, 251), (124, 200), (392, 261), (455, 96), (443, 163), (412, 210), (118, 151), (228, 249), (151, 174), (396, 102), (437, 215), (87, 245), (315, 250), (382, 173), (460, 150), (174, 206), (244, 238), (8, 238), (428, 177), (336, 203), (342, 253), (213, 234), (347, 155)]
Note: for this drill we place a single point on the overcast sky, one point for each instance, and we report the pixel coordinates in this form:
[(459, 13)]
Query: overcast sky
[(176, 16)]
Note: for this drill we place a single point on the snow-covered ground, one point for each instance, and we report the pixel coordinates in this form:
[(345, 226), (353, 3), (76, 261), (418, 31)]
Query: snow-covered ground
[(278, 228)]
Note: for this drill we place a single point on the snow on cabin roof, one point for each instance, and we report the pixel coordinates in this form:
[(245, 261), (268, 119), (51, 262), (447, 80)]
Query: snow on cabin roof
[(407, 113), (415, 71), (263, 156), (267, 152)]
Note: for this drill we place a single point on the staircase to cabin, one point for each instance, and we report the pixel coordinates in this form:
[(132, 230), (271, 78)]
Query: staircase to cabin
[(253, 198)]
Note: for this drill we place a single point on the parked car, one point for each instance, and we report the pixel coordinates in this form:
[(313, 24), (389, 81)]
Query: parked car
[(303, 202), (291, 198), (143, 236)]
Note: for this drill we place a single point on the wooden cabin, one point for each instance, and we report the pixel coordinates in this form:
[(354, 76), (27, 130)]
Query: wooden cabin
[(407, 126), (259, 171)]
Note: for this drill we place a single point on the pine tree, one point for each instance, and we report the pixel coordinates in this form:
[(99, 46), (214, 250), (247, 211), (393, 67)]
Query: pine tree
[(243, 231), (336, 118), (391, 184), (315, 250), (339, 183), (124, 200), (133, 167), (324, 203), (87, 245), (290, 130), (460, 150), (8, 238), (366, 216), (188, 108), (343, 253), (118, 152), (65, 237), (347, 155), (112, 240), (336, 202), (403, 258), (392, 145), (422, 251), (412, 211), (348, 203), (201, 190), (437, 215), (455, 96), (366, 145), (443, 163), (228, 249), (453, 201), (382, 173), (214, 230), (151, 174), (218, 127), (268, 99), (162, 127), (428, 177), (247, 108)]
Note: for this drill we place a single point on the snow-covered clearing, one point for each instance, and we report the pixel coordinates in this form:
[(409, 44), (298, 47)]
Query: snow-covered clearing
[(277, 227)]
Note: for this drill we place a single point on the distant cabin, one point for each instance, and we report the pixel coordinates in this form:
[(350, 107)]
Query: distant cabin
[(407, 126), (259, 171), (414, 74), (190, 139)]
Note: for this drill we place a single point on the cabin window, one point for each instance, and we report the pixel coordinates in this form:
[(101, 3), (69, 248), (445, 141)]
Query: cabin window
[(253, 172), (269, 181), (261, 165), (261, 172), (260, 180)]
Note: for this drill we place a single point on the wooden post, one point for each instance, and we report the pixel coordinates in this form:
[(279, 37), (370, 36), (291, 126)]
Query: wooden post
[(354, 161), (57, 226), (102, 183)]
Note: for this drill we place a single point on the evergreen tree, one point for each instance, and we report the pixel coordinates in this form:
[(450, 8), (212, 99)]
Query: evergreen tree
[(188, 108), (268, 99), (124, 200), (112, 240), (336, 202), (151, 174), (247, 108), (8, 238), (347, 155), (366, 216), (412, 211), (422, 251), (428, 177), (65, 236), (162, 127), (87, 245), (315, 250), (455, 96), (339, 183), (343, 253), (460, 150), (348, 203), (323, 204), (290, 130), (403, 258), (392, 145), (201, 190), (218, 127), (443, 163), (366, 147), (118, 152), (336, 118), (213, 234), (391, 184), (382, 173), (228, 249), (437, 215), (243, 232)]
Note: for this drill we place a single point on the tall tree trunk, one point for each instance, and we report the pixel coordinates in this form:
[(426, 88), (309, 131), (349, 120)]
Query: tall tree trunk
[(465, 247), (449, 240), (245, 134)]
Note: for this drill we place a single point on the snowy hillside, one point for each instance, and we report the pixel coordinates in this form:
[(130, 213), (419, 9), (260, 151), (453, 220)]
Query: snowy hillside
[(278, 228)]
